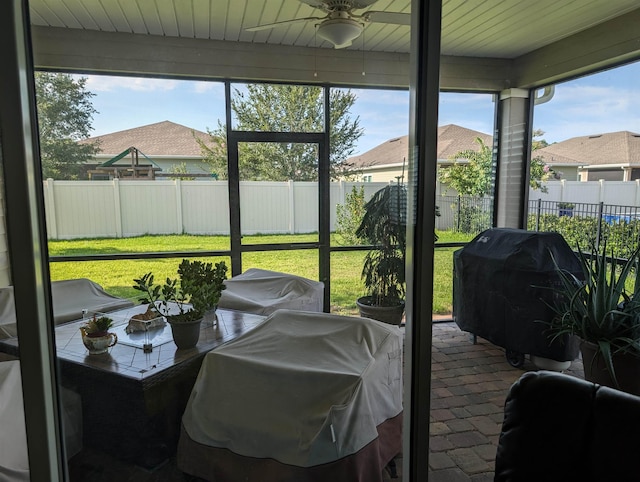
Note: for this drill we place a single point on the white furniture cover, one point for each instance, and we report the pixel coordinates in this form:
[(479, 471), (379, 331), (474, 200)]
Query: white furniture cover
[(7, 313), (302, 388), (72, 296), (69, 298), (14, 460), (263, 292)]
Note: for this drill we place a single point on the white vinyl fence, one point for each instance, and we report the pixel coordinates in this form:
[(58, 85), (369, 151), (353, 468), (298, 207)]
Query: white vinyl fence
[(97, 209), (616, 193)]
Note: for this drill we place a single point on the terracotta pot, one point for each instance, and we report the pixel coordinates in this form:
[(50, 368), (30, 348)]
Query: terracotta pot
[(99, 344), (386, 314), (185, 333), (626, 366)]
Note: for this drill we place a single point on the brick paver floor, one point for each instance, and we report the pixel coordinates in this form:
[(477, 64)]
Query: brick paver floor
[(469, 384)]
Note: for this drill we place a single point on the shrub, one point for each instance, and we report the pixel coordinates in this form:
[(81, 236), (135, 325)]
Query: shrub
[(349, 216)]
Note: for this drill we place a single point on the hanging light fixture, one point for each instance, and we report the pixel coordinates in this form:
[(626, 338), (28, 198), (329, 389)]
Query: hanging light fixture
[(340, 31)]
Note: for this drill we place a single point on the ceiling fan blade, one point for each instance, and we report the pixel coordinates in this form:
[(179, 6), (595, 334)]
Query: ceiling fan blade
[(388, 17), (268, 26), (328, 5), (315, 3)]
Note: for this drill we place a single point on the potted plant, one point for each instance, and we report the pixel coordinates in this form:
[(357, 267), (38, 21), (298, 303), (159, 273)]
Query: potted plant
[(565, 209), (384, 226), (604, 315), (184, 301), (96, 336)]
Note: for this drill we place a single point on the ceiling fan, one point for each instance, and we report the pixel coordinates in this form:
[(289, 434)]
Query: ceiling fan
[(340, 25)]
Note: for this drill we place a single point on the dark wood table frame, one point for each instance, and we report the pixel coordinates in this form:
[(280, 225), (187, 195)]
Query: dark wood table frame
[(132, 401)]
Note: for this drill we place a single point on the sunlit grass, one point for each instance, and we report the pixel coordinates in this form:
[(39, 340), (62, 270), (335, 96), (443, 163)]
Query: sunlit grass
[(346, 286)]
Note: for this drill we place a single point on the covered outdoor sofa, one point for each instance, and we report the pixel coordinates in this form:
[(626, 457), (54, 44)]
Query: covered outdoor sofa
[(303, 397), (69, 297), (262, 292)]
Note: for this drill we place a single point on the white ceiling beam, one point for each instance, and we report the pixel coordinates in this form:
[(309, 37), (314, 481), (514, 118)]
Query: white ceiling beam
[(608, 44), (123, 53)]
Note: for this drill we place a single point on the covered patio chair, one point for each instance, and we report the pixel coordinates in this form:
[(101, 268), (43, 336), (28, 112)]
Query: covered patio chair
[(302, 397), (14, 461), (263, 292), (69, 297)]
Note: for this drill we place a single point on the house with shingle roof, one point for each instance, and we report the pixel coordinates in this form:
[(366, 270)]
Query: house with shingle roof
[(162, 145), (387, 161), (613, 156)]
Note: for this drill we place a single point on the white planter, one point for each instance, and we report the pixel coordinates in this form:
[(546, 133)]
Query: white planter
[(549, 364)]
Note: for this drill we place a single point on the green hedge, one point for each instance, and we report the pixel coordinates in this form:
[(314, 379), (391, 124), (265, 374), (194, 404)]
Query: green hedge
[(621, 236)]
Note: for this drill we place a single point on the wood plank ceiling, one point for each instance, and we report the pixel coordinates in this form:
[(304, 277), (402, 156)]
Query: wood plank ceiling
[(498, 29)]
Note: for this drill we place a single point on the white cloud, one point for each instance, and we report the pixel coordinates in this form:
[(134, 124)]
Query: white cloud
[(107, 83), (381, 97), (201, 87)]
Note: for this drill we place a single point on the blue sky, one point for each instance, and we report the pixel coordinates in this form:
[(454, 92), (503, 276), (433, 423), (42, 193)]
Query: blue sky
[(604, 102)]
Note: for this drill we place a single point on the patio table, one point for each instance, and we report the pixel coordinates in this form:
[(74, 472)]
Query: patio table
[(132, 400)]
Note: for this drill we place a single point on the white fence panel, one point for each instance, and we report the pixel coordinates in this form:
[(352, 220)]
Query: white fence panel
[(619, 193), (149, 207), (582, 192), (554, 192), (80, 209), (264, 207), (205, 207), (91, 209), (305, 207)]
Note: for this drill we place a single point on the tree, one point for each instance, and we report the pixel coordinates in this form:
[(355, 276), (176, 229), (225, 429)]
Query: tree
[(539, 170), (65, 114), (475, 177), (286, 108), (349, 216)]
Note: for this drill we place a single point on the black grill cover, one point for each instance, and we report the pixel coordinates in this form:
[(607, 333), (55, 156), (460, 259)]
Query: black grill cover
[(498, 290)]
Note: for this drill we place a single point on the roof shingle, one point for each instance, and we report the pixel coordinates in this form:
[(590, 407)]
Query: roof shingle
[(451, 140), (611, 148), (160, 139)]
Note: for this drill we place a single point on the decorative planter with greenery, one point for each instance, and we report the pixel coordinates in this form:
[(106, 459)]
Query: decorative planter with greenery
[(605, 316), (96, 336), (565, 209), (196, 292)]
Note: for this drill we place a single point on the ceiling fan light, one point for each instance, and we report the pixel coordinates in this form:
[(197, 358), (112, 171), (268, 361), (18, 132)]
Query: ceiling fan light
[(340, 31)]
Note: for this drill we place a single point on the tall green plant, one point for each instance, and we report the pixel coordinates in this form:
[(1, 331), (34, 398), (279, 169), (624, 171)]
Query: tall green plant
[(349, 216), (384, 225), (599, 309)]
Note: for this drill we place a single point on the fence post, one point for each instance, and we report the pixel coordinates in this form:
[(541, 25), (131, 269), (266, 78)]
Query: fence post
[(538, 211), (292, 209), (51, 209), (459, 211), (599, 230), (179, 223), (116, 207)]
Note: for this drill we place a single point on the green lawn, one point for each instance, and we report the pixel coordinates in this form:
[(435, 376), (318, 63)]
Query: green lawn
[(116, 276)]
